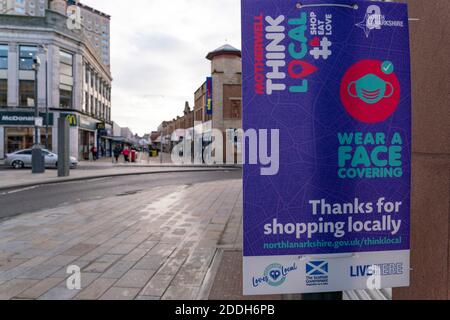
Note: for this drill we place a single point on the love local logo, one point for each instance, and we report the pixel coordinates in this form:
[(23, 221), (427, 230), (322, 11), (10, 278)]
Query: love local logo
[(316, 273), (370, 91), (274, 275)]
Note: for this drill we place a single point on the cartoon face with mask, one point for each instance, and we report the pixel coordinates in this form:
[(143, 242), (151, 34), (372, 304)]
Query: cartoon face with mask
[(371, 89)]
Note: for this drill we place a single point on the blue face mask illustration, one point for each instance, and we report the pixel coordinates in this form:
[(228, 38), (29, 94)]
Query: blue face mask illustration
[(371, 89)]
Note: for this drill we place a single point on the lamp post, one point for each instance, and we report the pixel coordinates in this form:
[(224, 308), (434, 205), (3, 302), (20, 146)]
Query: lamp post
[(47, 120), (162, 148), (37, 161)]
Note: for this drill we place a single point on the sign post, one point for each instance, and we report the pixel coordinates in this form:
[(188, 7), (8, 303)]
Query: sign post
[(63, 147), (334, 79)]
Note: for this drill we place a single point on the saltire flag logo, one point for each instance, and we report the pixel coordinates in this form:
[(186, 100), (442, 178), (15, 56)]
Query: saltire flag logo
[(317, 268)]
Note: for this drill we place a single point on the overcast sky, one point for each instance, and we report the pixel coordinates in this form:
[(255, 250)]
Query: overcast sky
[(158, 51)]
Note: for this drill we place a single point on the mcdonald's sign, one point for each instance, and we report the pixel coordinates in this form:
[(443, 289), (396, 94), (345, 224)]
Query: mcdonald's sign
[(71, 118)]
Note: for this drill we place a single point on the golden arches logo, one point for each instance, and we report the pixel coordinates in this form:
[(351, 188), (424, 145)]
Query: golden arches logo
[(72, 119)]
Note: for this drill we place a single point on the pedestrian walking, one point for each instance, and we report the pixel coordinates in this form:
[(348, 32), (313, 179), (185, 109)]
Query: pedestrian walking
[(117, 151), (94, 153), (126, 154)]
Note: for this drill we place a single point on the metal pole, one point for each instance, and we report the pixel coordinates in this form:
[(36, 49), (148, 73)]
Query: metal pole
[(36, 109), (37, 158), (47, 120), (161, 153)]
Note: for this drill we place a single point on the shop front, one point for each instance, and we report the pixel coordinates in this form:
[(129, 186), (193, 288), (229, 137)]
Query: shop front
[(17, 129), (86, 137), (104, 140)]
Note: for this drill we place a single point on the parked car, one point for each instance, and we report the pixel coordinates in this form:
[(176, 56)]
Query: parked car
[(22, 158)]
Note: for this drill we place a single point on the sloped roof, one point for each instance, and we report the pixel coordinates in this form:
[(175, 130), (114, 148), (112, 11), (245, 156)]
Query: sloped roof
[(225, 49)]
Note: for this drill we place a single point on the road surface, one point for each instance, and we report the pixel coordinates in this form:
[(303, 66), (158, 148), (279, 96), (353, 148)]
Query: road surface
[(17, 201)]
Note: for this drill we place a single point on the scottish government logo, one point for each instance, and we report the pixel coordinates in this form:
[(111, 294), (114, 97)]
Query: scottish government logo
[(370, 91), (274, 275), (316, 273)]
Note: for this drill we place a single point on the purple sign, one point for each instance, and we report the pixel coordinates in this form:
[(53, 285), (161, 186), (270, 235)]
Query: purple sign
[(209, 103), (334, 80)]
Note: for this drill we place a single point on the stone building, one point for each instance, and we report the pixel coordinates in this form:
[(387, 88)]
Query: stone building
[(217, 104), (73, 82)]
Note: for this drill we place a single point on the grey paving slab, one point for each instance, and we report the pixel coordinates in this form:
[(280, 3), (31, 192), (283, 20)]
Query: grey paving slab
[(116, 293), (163, 249), (14, 287), (148, 298), (122, 249), (80, 249), (157, 285), (96, 289), (59, 293), (97, 267), (181, 293), (109, 258), (150, 262), (39, 272), (189, 277), (117, 270), (60, 260), (135, 278), (40, 288), (136, 255), (62, 272)]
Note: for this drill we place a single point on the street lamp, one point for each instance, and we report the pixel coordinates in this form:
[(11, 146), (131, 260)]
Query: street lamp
[(37, 160), (47, 120)]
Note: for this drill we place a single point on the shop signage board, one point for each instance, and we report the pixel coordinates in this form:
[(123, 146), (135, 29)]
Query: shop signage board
[(11, 118), (38, 121), (87, 123), (334, 78)]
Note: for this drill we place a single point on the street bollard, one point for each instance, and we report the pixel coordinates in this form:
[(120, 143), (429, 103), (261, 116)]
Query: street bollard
[(38, 160)]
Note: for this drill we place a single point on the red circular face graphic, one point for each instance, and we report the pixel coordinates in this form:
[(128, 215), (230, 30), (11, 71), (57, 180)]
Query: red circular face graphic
[(370, 91)]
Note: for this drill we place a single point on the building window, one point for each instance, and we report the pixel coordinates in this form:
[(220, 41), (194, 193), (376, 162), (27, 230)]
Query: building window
[(236, 112), (3, 56), (20, 138), (66, 80), (86, 102), (3, 93), (65, 97), (87, 71), (26, 93), (66, 63), (27, 55)]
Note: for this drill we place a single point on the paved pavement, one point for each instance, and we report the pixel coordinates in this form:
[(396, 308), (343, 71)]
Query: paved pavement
[(158, 243)]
